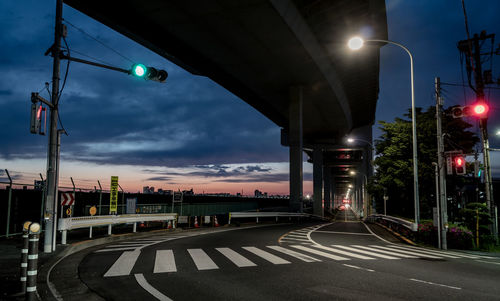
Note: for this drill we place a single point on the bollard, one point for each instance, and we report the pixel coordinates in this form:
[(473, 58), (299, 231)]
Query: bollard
[(24, 255), (90, 232), (135, 228), (64, 237), (109, 229), (34, 235)]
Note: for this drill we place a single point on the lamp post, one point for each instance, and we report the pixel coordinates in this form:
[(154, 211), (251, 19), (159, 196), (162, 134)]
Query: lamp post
[(357, 43)]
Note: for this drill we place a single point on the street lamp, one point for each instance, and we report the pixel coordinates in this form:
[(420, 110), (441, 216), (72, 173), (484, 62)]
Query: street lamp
[(356, 43)]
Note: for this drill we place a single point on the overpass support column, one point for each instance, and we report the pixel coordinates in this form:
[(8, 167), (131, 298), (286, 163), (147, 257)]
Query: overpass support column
[(295, 142), (318, 181), (326, 187)]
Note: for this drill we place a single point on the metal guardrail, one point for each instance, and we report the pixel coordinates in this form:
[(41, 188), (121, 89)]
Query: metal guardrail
[(65, 224), (258, 214), (395, 220)]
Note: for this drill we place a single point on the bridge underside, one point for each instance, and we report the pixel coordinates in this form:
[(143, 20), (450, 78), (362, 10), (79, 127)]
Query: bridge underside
[(287, 59)]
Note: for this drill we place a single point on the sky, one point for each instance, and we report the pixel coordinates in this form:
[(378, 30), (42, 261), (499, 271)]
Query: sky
[(189, 132)]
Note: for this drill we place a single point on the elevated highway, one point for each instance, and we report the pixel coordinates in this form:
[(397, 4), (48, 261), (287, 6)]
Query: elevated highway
[(287, 59)]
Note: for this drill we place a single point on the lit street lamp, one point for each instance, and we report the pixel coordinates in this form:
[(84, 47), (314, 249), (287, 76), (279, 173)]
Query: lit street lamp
[(357, 43)]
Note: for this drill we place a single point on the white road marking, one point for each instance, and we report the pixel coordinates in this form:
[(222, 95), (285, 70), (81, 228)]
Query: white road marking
[(201, 260), (343, 252), (484, 261), (125, 246), (424, 251), (385, 252), (266, 255), (117, 249), (134, 242), (164, 262), (295, 239), (150, 289), (349, 233), (320, 253), (358, 268), (438, 284), (124, 264), (370, 230), (292, 253), (236, 258), (296, 235), (366, 252), (418, 254), (446, 252)]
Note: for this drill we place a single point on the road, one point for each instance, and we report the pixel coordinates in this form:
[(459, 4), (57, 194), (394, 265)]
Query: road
[(313, 261)]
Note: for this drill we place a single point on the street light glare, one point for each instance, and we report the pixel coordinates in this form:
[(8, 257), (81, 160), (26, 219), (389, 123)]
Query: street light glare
[(355, 43), (350, 140)]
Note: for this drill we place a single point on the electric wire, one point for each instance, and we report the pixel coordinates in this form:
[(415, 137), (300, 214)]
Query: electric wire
[(98, 41)]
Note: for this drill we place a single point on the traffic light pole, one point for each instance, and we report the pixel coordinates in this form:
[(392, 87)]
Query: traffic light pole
[(52, 159), (443, 206)]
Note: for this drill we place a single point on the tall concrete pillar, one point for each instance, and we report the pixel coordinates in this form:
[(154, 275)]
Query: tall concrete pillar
[(332, 189), (295, 142), (326, 188), (318, 181)]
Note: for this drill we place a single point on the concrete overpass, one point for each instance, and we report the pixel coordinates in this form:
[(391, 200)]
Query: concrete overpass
[(287, 59)]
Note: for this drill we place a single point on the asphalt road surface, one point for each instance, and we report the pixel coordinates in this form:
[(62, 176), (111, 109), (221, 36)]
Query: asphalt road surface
[(342, 260)]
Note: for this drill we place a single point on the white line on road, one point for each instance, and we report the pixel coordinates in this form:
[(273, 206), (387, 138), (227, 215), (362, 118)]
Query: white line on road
[(117, 249), (320, 253), (164, 262), (385, 252), (359, 268), (292, 253), (484, 261), (432, 283), (370, 230), (266, 255), (201, 260), (335, 232), (342, 252), (424, 251), (365, 252), (153, 291), (295, 239), (124, 264), (236, 258), (407, 252)]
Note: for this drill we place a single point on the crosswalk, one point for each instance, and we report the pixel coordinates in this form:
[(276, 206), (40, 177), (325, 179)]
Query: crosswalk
[(252, 256), (301, 236)]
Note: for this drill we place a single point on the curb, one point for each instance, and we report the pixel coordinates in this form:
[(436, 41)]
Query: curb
[(408, 241)]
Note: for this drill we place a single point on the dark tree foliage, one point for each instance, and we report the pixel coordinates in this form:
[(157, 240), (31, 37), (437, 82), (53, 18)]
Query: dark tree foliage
[(394, 161)]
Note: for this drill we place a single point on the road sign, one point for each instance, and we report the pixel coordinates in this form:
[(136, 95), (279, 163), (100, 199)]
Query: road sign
[(93, 210), (113, 195), (67, 199), (68, 211), (131, 205)]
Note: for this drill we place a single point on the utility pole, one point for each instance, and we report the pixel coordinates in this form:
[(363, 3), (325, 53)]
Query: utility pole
[(442, 205), (52, 166), (472, 49)]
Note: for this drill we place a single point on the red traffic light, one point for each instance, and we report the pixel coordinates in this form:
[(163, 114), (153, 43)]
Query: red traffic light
[(480, 109), (459, 161)]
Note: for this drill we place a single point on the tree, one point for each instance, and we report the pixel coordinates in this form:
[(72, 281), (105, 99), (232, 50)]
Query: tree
[(394, 162)]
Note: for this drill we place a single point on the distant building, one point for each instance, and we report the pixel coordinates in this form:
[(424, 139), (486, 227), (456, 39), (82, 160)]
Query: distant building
[(188, 192), (258, 193), (148, 190)]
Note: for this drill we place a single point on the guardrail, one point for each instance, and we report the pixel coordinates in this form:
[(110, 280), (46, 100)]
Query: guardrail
[(258, 214), (394, 221), (65, 224)]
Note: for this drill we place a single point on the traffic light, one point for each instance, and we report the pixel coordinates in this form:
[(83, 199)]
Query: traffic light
[(149, 73), (36, 118), (478, 109), (459, 165)]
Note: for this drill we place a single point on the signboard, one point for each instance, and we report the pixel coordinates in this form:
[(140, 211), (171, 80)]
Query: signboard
[(93, 210), (113, 195), (67, 199), (131, 205)]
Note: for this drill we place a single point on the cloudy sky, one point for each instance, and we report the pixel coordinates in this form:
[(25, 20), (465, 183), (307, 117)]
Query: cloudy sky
[(189, 132)]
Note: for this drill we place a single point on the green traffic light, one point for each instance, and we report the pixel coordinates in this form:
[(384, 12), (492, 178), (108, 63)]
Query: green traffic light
[(139, 70)]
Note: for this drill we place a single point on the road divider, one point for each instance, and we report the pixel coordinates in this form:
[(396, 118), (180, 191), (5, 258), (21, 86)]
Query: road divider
[(276, 215)]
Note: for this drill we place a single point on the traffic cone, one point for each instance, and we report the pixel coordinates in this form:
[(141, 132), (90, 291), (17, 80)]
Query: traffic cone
[(196, 222), (169, 225), (216, 223)]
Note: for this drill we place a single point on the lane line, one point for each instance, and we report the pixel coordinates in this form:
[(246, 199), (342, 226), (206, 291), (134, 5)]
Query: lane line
[(267, 256), (407, 252), (124, 264), (125, 246), (358, 268), (438, 284), (117, 249), (164, 262), (150, 289), (365, 252), (296, 239), (349, 233), (343, 252), (370, 230), (320, 253), (236, 258), (201, 260), (385, 252)]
